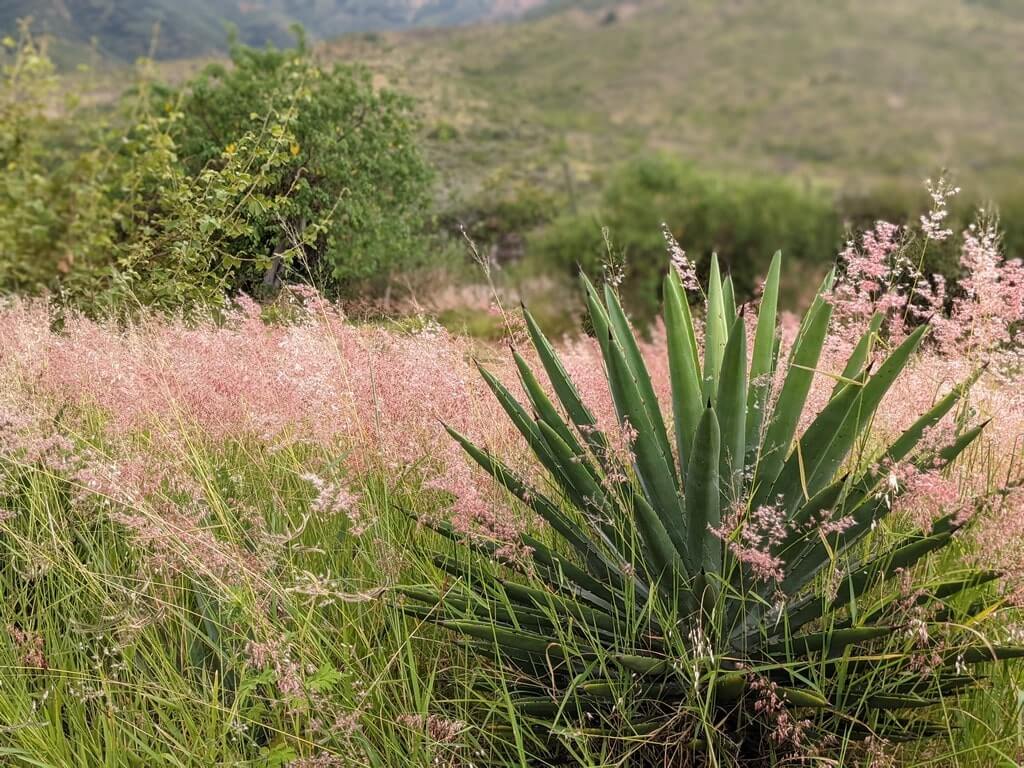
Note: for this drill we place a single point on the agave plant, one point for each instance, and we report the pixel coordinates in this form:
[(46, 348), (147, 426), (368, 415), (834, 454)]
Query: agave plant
[(637, 622)]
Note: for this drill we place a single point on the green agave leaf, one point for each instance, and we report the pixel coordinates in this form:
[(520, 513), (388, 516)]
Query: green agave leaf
[(543, 406), (732, 686), (900, 702), (900, 731), (558, 572), (642, 665), (799, 697), (548, 708), (561, 574), (586, 491), (798, 477), (800, 538), (872, 394), (598, 315), (716, 331), (531, 597), (539, 503), (703, 498), (653, 467), (623, 336), (523, 422), (684, 367), (762, 360), (565, 390), (800, 535), (861, 353), (529, 642), (790, 405), (865, 510), (831, 436), (862, 578), (917, 686), (730, 409), (420, 612), (912, 436), (455, 607), (632, 728), (981, 654), (870, 480), (834, 641), (729, 301), (942, 591)]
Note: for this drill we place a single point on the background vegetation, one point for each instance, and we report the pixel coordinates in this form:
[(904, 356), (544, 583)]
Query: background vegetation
[(232, 529), (535, 131), (172, 29), (271, 169)]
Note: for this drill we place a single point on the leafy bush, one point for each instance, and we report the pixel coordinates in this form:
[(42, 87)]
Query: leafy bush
[(273, 167), (345, 200), (720, 587), (33, 200), (739, 218)]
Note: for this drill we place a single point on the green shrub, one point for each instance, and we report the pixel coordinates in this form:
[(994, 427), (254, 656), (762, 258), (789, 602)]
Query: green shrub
[(687, 602), (742, 219), (346, 200), (271, 168), (35, 198)]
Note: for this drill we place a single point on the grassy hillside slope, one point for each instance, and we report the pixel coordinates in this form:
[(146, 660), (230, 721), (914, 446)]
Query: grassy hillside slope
[(850, 92), (124, 29)]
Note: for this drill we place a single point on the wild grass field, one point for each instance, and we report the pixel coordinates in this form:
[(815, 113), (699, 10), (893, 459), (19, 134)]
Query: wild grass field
[(289, 476), (215, 537)]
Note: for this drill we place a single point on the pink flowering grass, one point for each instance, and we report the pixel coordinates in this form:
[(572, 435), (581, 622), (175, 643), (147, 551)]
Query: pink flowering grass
[(259, 461), (376, 395)]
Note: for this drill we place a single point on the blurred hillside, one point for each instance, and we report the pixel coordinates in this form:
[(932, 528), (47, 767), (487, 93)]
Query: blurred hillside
[(124, 29), (851, 92), (745, 125)]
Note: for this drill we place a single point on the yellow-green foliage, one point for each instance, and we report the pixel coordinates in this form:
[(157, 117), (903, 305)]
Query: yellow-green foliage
[(271, 168)]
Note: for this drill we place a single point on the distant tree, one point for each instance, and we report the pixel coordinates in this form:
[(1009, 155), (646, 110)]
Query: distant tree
[(344, 198)]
